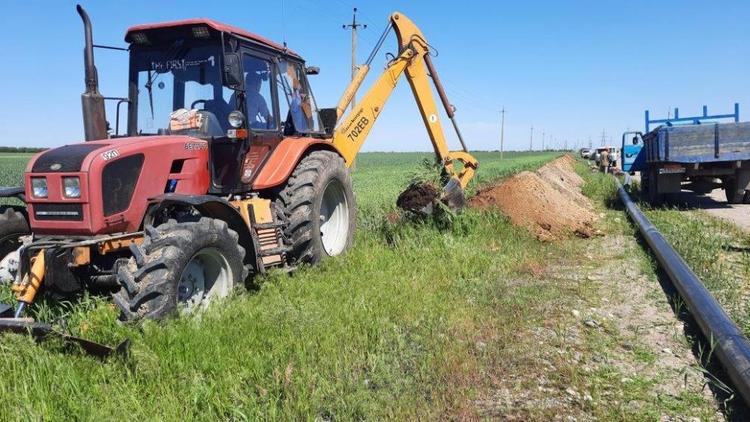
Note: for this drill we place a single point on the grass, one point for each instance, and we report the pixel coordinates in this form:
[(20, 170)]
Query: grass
[(721, 258), (406, 326), (416, 322), (719, 254), (639, 394)]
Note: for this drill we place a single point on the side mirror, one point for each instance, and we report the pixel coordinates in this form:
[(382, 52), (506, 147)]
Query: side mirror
[(233, 76), (312, 70), (635, 140)]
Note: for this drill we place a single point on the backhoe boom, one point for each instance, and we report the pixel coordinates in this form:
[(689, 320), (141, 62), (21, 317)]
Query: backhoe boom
[(414, 62)]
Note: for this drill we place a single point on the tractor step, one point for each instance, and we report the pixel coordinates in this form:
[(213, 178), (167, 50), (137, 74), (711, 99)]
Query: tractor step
[(265, 231), (273, 251), (273, 225)]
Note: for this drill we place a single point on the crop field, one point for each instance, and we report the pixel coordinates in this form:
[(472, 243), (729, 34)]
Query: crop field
[(406, 325), (11, 168)]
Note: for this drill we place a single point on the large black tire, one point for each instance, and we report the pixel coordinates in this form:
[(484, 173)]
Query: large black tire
[(152, 279), (652, 189), (301, 200), (730, 190), (13, 226)]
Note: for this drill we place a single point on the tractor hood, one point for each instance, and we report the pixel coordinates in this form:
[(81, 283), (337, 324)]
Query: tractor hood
[(103, 187), (78, 157)]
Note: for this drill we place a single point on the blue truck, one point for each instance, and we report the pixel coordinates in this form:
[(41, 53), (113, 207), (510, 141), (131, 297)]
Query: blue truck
[(698, 153)]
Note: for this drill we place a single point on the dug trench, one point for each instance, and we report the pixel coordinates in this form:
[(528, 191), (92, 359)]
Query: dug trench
[(610, 345)]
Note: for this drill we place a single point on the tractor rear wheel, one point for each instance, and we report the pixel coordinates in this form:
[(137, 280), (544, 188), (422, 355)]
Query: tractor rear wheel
[(319, 209), (179, 266), (13, 226)]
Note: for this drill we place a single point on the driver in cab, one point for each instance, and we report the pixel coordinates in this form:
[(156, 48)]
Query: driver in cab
[(257, 109)]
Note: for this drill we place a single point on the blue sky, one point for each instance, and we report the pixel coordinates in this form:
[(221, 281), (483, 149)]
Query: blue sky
[(570, 69)]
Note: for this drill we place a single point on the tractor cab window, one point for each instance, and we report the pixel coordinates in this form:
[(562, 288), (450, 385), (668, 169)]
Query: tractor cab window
[(299, 111), (259, 102), (185, 83)]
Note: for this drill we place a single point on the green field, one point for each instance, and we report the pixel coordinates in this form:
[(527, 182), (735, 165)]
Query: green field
[(387, 331)]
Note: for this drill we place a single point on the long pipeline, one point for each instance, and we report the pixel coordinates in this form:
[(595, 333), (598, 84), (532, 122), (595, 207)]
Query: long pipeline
[(731, 346)]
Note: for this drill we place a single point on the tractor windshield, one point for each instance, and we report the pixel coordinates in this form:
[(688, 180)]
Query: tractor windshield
[(180, 77)]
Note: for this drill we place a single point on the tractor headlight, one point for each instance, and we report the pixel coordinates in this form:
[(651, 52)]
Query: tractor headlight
[(236, 119), (72, 187), (39, 187)]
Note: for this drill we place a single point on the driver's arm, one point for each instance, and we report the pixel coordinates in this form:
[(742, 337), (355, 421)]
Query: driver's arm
[(263, 111)]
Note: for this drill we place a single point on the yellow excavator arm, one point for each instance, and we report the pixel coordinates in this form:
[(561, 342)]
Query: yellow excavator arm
[(413, 61)]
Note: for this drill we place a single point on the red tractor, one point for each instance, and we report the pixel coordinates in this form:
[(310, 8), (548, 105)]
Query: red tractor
[(225, 167)]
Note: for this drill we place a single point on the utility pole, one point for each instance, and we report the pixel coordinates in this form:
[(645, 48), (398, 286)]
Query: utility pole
[(604, 138), (502, 130), (354, 26), (542, 140), (531, 140)]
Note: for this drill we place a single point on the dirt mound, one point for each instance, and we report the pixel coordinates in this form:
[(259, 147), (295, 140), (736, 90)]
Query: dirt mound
[(562, 177), (548, 202)]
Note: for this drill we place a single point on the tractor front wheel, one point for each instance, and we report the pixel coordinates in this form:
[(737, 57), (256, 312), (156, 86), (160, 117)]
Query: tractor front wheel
[(319, 210), (13, 226), (179, 266)]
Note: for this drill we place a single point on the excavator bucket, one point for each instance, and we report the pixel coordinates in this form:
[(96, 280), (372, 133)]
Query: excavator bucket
[(453, 195)]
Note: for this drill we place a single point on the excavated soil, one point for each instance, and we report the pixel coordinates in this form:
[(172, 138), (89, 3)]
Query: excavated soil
[(548, 202), (417, 196)]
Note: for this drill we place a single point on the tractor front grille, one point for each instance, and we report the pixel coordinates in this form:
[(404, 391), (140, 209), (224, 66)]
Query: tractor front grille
[(59, 212), (118, 183)]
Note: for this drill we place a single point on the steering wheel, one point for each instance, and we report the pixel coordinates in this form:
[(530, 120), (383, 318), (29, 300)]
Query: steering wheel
[(192, 106)]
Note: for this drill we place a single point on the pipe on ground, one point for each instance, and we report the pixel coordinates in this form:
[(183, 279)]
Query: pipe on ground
[(730, 345)]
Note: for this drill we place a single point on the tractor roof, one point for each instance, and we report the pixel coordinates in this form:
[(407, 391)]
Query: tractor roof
[(212, 24)]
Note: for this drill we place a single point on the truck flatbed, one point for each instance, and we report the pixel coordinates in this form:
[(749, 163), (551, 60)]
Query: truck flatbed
[(698, 143)]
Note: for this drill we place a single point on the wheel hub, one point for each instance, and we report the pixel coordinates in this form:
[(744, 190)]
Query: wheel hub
[(334, 219), (206, 276), (9, 267)]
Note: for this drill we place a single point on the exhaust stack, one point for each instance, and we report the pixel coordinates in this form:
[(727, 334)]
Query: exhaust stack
[(92, 102)]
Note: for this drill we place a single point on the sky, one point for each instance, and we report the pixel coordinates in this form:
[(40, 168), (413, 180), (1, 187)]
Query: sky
[(573, 70)]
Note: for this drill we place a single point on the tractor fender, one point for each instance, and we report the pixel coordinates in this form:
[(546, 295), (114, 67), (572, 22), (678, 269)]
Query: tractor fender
[(208, 206), (15, 192), (284, 159)]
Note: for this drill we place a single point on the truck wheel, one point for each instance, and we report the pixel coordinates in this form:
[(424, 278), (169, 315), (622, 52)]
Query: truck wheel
[(13, 226), (654, 197), (179, 266), (730, 189), (319, 209)]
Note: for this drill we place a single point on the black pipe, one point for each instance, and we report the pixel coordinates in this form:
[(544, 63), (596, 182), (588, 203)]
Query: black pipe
[(731, 346), (92, 102)]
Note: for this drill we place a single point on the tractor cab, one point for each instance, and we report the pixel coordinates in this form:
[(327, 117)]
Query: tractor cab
[(212, 81)]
